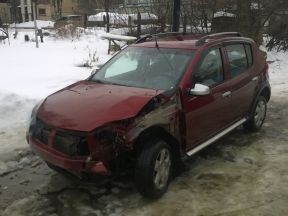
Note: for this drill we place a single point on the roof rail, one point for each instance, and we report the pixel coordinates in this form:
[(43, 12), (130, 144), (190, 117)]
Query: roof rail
[(203, 40), (158, 35)]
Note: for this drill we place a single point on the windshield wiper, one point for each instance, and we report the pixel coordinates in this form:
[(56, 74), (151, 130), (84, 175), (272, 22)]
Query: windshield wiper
[(99, 81)]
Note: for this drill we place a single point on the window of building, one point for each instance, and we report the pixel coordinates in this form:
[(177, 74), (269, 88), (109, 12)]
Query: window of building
[(42, 12)]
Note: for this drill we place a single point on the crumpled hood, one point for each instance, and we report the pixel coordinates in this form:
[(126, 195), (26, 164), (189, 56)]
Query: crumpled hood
[(85, 106)]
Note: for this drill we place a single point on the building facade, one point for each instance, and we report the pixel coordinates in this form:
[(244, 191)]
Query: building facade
[(5, 15), (53, 9)]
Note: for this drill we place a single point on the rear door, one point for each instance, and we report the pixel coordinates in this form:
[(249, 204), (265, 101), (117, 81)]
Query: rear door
[(207, 115), (243, 86)]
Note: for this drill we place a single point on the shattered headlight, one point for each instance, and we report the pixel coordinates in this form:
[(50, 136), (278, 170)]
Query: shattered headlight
[(32, 119)]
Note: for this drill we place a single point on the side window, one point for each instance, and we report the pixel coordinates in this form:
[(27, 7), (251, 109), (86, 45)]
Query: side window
[(210, 72), (237, 59), (249, 54)]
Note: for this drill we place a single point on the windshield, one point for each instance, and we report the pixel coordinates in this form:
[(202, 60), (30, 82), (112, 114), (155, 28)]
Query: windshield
[(146, 68)]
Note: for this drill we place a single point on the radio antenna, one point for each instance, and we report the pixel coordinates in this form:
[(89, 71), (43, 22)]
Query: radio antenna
[(156, 42)]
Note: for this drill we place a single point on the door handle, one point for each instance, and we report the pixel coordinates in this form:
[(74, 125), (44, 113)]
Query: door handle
[(227, 94), (254, 79)]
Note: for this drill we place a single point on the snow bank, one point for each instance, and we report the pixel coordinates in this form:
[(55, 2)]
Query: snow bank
[(14, 107), (278, 72)]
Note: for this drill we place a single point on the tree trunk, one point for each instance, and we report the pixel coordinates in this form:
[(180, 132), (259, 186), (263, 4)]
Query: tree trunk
[(243, 9), (176, 15), (106, 6)]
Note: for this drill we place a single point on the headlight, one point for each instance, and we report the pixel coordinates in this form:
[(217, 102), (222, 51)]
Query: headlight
[(36, 107), (32, 119)]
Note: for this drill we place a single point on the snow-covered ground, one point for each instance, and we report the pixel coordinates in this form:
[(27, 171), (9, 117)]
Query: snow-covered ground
[(30, 24), (278, 72), (29, 74)]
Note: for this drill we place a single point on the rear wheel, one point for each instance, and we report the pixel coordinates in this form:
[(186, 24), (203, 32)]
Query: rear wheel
[(153, 169), (258, 116)]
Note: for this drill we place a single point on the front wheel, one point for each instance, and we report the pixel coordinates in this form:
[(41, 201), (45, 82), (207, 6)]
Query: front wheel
[(153, 169), (258, 116)]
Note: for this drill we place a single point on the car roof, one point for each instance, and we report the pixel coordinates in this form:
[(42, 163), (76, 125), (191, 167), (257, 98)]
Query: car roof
[(191, 41)]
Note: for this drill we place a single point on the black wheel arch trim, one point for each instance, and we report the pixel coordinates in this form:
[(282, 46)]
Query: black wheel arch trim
[(265, 85)]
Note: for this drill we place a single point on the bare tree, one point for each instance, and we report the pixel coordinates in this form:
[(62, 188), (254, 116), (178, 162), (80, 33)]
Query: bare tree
[(278, 25)]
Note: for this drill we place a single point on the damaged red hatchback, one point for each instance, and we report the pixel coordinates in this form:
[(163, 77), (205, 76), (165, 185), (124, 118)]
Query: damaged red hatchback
[(155, 102)]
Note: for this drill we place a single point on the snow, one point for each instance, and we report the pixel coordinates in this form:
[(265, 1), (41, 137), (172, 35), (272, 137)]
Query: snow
[(278, 72), (223, 14), (117, 37), (116, 18), (2, 32), (256, 6), (40, 24)]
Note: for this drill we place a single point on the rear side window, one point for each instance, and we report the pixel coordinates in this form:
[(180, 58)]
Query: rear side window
[(249, 54), (237, 59)]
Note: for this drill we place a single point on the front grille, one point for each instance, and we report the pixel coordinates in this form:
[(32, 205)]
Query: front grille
[(40, 131), (70, 144)]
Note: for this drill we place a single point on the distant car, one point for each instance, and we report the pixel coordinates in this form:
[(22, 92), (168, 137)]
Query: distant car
[(153, 104), (76, 20)]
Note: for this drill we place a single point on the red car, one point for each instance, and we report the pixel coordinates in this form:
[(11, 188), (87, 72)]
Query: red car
[(154, 103)]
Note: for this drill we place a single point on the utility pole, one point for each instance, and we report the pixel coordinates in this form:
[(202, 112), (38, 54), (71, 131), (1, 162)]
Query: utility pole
[(29, 7), (176, 15), (22, 4), (35, 24)]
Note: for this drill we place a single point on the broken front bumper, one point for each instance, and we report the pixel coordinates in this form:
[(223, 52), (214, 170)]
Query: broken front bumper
[(71, 164)]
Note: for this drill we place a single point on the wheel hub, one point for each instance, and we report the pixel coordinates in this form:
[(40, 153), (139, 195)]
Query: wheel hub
[(259, 113), (162, 168)]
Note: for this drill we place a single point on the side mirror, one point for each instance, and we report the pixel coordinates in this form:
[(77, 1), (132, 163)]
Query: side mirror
[(200, 90)]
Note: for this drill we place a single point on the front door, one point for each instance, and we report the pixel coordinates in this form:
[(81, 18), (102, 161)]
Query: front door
[(207, 115)]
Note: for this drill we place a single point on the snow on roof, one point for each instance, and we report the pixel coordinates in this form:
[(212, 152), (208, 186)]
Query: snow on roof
[(117, 37), (223, 14), (116, 17), (40, 24)]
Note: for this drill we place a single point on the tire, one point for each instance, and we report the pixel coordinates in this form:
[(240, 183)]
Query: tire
[(258, 116), (154, 168)]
